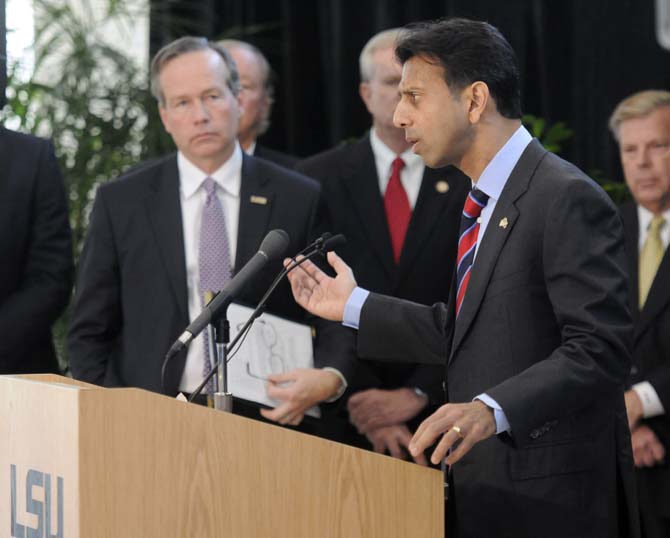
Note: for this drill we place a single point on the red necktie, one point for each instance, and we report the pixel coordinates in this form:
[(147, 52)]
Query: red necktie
[(398, 210)]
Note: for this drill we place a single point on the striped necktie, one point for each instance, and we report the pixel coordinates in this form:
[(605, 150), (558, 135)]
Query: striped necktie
[(467, 242)]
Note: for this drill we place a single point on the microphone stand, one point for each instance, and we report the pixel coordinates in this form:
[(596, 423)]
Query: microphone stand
[(223, 400)]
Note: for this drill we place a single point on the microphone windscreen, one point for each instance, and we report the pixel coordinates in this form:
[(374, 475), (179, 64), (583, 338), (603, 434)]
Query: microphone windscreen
[(275, 244), (333, 242)]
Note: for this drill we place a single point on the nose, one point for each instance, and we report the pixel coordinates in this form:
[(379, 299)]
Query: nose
[(400, 118), (642, 157), (201, 112)]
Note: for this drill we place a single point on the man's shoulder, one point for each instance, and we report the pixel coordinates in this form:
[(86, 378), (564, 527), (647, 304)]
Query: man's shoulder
[(278, 157), (22, 141), (141, 175), (330, 162), (279, 176)]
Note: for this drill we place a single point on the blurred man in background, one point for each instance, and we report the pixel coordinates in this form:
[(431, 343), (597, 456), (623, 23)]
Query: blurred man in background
[(641, 125), (256, 98)]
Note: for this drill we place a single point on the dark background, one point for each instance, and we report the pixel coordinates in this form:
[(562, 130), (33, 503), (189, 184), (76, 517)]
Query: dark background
[(578, 58)]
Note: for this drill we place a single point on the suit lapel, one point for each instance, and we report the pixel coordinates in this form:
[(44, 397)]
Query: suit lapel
[(360, 180), (425, 218), (164, 210), (256, 198), (494, 239), (659, 296), (631, 239)]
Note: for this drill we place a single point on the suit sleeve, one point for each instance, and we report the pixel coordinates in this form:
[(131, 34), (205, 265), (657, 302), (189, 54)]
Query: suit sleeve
[(585, 279), (95, 324), (397, 330), (47, 275)]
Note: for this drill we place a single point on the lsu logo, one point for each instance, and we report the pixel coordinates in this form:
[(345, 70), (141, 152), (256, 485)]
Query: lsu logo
[(48, 513)]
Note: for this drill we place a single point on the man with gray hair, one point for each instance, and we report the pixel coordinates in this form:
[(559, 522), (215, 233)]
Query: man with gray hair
[(170, 231), (256, 97), (641, 125), (401, 222)]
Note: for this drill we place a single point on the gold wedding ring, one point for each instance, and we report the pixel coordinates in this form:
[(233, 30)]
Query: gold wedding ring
[(457, 430)]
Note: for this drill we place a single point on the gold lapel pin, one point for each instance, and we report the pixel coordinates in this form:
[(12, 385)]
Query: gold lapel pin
[(441, 187), (260, 200), (503, 223)]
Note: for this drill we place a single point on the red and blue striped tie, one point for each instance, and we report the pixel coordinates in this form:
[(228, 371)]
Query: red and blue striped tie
[(467, 242)]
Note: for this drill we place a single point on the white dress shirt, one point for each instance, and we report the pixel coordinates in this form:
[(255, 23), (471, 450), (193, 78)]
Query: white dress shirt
[(192, 197)]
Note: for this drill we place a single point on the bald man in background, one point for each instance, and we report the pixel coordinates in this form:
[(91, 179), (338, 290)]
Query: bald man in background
[(256, 97)]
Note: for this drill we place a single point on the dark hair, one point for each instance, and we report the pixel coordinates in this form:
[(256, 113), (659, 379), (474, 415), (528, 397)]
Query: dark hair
[(469, 51), (184, 45)]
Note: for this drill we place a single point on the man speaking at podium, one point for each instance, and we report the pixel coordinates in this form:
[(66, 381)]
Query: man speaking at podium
[(536, 335)]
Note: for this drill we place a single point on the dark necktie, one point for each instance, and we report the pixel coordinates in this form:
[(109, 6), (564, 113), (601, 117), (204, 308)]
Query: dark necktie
[(398, 210), (467, 242)]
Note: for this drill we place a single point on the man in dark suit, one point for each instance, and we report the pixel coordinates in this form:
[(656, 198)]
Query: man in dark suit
[(536, 336), (164, 234), (641, 125), (36, 268), (256, 97), (357, 181)]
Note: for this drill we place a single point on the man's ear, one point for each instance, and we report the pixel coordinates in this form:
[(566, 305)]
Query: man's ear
[(477, 96), (364, 91), (164, 118)]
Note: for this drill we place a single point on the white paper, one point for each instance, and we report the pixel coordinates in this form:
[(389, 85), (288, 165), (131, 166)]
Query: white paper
[(273, 346)]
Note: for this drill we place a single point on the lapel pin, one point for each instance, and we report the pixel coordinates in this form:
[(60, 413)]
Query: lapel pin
[(260, 200), (503, 223), (441, 187)]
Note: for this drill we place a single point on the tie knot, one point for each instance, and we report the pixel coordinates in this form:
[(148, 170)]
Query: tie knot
[(474, 203), (210, 186), (398, 164), (656, 224)]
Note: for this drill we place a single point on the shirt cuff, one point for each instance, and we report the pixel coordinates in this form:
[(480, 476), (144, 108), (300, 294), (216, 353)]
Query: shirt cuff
[(352, 310), (651, 403), (502, 424), (343, 384)]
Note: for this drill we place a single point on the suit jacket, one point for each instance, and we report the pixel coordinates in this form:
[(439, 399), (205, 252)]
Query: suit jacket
[(545, 330), (651, 357), (355, 208), (36, 268), (274, 156), (131, 297)]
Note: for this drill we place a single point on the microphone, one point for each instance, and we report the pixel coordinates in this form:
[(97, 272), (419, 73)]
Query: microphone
[(272, 248), (331, 243), (322, 245)]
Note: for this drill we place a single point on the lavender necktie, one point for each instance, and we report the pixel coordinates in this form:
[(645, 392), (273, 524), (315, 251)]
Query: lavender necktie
[(213, 260)]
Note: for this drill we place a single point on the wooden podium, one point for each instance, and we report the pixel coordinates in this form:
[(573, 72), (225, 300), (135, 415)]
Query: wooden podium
[(79, 461)]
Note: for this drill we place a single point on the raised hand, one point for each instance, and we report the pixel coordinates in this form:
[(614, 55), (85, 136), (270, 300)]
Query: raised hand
[(320, 294)]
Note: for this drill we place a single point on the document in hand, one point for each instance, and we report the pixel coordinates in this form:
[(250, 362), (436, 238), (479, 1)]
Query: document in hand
[(274, 345)]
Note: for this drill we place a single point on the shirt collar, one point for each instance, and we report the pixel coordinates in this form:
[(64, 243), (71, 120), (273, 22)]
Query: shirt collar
[(228, 176), (497, 172), (644, 217), (386, 155), (251, 149)]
